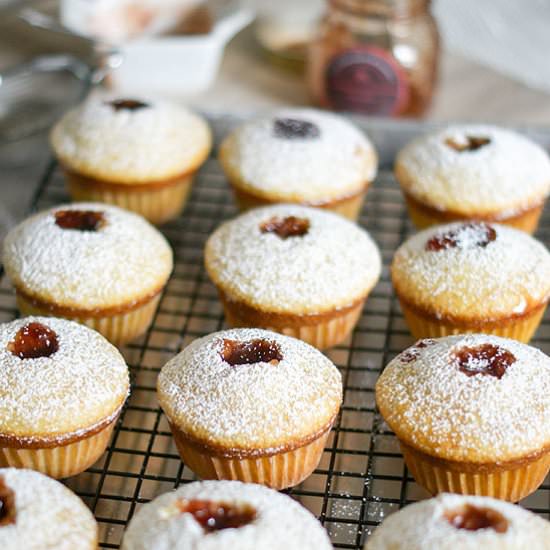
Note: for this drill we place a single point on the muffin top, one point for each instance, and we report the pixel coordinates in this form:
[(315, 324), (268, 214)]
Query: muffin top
[(39, 513), (475, 170), (293, 259), (250, 390), (475, 398), (130, 141), (87, 256), (472, 272), (449, 522), (57, 379), (209, 515), (299, 155)]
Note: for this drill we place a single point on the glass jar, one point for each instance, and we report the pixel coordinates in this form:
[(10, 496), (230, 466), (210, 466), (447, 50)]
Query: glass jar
[(376, 57), (285, 28)]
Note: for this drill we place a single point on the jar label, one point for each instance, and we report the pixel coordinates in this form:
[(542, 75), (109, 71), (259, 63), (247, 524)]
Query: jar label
[(368, 80)]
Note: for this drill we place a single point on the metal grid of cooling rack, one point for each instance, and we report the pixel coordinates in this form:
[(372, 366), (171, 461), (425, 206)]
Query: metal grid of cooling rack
[(361, 478)]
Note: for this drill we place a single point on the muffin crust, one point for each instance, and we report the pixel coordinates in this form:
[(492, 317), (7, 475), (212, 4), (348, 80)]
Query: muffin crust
[(249, 409), (438, 408), (332, 266), (436, 523), (334, 162), (62, 398), (123, 262), (499, 179), (158, 142), (472, 280)]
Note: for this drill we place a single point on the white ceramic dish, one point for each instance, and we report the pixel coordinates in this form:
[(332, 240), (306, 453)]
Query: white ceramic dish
[(177, 64), (186, 64)]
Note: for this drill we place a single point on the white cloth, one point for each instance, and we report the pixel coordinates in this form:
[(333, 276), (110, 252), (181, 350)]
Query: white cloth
[(509, 36)]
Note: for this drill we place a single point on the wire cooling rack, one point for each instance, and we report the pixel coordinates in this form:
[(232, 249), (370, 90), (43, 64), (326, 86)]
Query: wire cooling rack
[(361, 478)]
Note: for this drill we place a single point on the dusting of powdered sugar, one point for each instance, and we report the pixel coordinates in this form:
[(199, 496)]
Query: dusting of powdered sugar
[(338, 162), (125, 260), (424, 526), (433, 405), (259, 405), (159, 525), (82, 383), (159, 141), (477, 277), (508, 175), (334, 264), (48, 515)]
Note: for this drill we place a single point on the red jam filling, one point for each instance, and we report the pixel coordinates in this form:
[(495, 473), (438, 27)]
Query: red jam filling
[(471, 143), (7, 504), (80, 220), (250, 352), (293, 128), (410, 354), (291, 226), (472, 518), (34, 340), (215, 516), (486, 359), (128, 104), (469, 235)]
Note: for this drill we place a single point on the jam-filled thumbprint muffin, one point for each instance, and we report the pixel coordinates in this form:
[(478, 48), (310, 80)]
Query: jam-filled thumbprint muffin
[(296, 270), (224, 515), (474, 172), (139, 154), (62, 389), (250, 405), (472, 277), (300, 156), (471, 413), (452, 522), (39, 513), (94, 263)]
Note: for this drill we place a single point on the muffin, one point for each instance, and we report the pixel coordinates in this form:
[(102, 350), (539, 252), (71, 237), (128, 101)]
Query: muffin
[(300, 156), (474, 172), (62, 388), (251, 405), (471, 413), (39, 513), (472, 277), (141, 155), (224, 514), (449, 522), (93, 263), (296, 270)]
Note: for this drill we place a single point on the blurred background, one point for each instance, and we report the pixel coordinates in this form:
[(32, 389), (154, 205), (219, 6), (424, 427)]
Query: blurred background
[(490, 62), (473, 60)]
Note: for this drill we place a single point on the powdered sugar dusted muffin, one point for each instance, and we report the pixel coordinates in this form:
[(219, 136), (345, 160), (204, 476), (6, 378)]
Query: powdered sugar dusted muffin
[(472, 277), (297, 270), (468, 172), (224, 514), (90, 262), (62, 388), (138, 154), (300, 156), (39, 513), (471, 413), (252, 405), (449, 522)]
